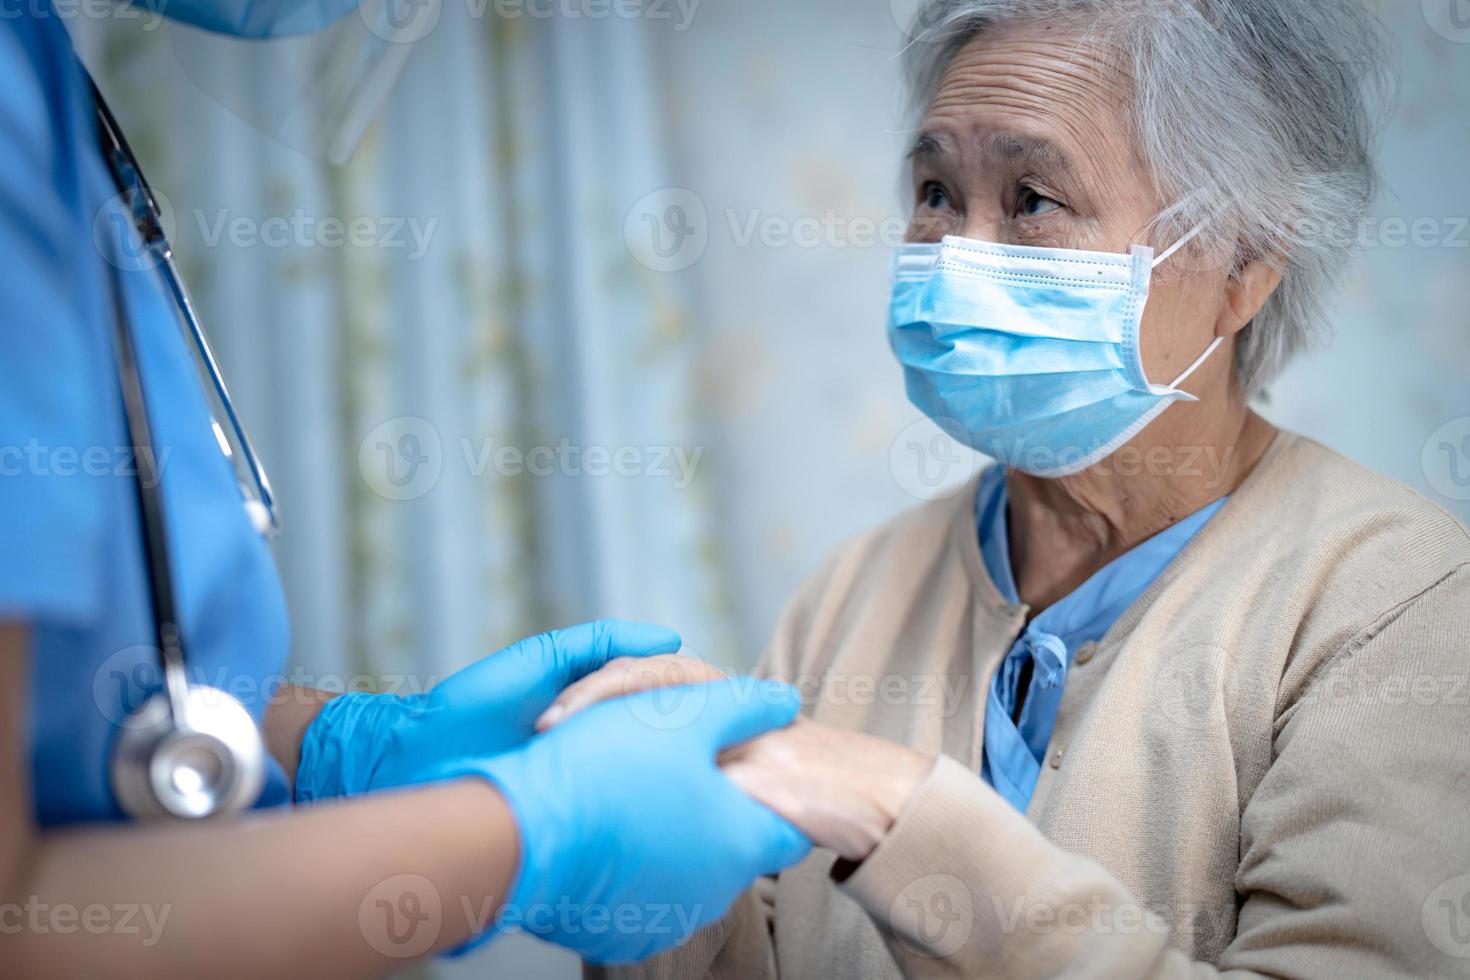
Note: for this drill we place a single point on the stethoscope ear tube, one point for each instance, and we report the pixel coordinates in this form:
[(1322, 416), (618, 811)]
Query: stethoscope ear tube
[(150, 507), (190, 751), (147, 217)]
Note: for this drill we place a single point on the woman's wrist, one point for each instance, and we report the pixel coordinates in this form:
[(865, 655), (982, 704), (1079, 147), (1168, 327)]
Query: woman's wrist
[(844, 790), (897, 778)]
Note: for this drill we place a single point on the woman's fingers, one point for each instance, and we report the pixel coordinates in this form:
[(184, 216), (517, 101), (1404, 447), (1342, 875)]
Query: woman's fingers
[(627, 675), (842, 789), (772, 770)]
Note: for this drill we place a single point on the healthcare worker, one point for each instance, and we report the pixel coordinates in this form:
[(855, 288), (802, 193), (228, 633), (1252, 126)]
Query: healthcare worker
[(142, 623)]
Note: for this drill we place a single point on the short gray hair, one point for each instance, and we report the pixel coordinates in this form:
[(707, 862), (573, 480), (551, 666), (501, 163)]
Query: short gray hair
[(1257, 117)]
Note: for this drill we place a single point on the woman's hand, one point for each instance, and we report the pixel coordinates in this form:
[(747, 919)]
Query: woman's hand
[(842, 789), (618, 809), (623, 676)]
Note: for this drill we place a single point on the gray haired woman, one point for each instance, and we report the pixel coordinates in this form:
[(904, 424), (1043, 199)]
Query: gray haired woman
[(1168, 691)]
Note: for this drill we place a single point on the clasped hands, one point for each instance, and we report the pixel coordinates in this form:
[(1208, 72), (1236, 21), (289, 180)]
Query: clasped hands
[(843, 789), (735, 785)]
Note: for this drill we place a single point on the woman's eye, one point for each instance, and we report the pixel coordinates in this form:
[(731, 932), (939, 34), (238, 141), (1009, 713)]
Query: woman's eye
[(933, 196), (1033, 205)]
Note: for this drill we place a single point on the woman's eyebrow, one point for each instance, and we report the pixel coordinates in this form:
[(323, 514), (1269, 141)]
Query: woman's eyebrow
[(1014, 149), (1033, 152), (928, 146)]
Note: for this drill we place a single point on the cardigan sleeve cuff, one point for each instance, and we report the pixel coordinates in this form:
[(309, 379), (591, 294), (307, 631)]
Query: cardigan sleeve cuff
[(959, 874)]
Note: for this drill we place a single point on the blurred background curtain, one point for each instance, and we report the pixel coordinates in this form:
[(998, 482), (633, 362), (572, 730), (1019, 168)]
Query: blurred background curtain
[(483, 423), (667, 235), (399, 390)]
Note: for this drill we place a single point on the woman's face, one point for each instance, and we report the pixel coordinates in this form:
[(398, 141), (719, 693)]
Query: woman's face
[(1027, 142)]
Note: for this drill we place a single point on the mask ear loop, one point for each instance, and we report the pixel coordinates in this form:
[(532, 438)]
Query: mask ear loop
[(1174, 385), (1189, 236), (1195, 367)]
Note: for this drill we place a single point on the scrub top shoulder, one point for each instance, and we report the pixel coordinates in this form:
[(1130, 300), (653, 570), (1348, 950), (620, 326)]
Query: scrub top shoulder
[(71, 563)]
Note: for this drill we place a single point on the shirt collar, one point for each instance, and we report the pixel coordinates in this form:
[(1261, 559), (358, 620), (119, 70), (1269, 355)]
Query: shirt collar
[(1087, 612)]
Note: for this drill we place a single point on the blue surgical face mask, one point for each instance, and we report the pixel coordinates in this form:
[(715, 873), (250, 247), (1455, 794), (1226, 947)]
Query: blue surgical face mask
[(1029, 355)]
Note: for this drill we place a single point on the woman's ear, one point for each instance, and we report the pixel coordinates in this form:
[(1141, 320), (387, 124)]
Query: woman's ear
[(1246, 292)]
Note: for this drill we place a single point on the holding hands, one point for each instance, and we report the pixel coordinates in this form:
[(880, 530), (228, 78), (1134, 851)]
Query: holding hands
[(843, 789), (655, 792), (631, 837)]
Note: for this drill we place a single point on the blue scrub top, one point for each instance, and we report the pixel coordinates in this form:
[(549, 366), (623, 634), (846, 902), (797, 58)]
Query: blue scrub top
[(71, 564), (1016, 744)]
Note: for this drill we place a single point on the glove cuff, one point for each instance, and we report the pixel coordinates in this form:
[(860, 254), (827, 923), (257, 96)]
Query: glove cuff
[(341, 748)]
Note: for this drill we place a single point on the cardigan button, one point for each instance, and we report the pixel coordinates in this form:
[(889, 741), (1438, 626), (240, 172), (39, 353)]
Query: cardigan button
[(1056, 756), (1084, 653)]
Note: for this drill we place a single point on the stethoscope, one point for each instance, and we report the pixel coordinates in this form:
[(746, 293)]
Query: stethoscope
[(190, 751)]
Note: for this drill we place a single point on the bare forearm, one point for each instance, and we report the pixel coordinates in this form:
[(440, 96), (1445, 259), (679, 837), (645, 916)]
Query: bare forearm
[(291, 713), (350, 889)]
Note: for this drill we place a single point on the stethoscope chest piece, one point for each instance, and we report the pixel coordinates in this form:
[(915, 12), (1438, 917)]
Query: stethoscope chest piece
[(207, 763)]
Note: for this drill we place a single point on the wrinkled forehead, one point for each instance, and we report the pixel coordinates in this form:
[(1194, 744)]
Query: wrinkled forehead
[(1053, 95)]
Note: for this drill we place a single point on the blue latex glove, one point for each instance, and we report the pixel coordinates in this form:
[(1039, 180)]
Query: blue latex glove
[(360, 742), (631, 836)]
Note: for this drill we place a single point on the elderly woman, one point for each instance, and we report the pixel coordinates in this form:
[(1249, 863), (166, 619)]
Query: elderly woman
[(1168, 691)]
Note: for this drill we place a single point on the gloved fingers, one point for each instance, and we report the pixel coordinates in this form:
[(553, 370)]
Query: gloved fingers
[(741, 708), (579, 650), (624, 676), (771, 774), (785, 845)]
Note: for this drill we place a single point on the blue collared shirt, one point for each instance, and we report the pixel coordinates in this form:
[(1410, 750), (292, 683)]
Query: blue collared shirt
[(1015, 746)]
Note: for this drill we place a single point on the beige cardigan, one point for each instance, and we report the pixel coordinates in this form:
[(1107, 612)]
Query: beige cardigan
[(1262, 769)]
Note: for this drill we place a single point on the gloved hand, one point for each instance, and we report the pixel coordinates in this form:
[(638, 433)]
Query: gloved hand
[(631, 836), (363, 741)]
